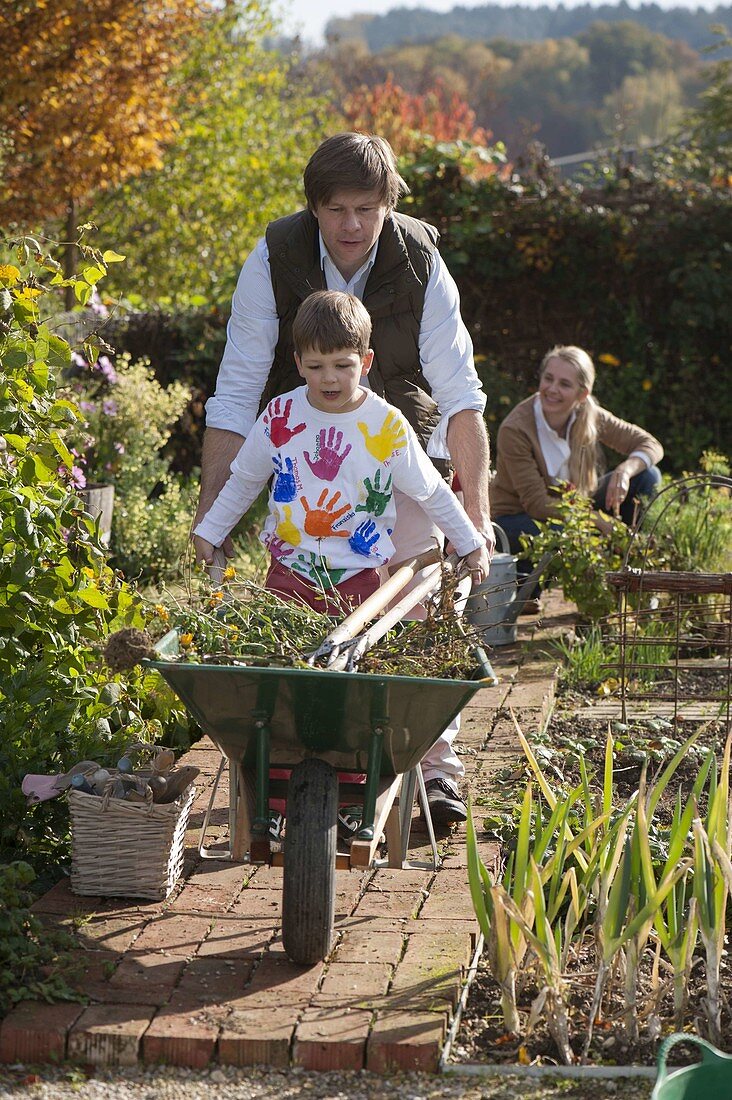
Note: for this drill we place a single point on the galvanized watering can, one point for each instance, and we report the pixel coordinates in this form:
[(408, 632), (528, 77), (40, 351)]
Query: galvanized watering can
[(710, 1079), (495, 605)]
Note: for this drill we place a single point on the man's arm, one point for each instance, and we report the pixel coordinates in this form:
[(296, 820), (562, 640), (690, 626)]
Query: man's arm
[(467, 441)]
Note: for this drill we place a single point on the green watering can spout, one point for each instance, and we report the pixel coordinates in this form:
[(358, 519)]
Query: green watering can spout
[(710, 1079)]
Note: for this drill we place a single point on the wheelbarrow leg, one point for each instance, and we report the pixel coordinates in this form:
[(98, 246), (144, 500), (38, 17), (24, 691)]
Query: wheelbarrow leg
[(259, 848), (239, 815)]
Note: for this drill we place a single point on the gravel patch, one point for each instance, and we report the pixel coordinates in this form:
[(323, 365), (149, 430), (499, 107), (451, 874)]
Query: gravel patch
[(230, 1083)]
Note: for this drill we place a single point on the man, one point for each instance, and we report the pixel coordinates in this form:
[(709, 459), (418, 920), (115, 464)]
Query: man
[(350, 238)]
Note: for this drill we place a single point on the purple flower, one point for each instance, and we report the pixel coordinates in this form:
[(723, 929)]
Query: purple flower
[(97, 305), (78, 477), (106, 369), (78, 360), (119, 448), (109, 407), (87, 407)]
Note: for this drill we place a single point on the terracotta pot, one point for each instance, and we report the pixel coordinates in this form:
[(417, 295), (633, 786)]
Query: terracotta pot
[(98, 503)]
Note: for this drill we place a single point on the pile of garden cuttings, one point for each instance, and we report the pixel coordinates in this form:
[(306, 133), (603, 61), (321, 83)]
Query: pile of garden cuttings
[(639, 749), (244, 624)]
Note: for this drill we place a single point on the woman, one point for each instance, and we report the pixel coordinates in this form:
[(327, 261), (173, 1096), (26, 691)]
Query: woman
[(554, 437)]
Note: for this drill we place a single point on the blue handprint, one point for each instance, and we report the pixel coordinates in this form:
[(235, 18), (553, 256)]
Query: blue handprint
[(363, 538), (285, 488)]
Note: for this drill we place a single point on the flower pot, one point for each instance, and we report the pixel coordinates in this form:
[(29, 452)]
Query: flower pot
[(98, 503)]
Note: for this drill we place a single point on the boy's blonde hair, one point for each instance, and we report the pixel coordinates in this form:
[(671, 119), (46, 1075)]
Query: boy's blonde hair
[(584, 455), (330, 320), (353, 162)]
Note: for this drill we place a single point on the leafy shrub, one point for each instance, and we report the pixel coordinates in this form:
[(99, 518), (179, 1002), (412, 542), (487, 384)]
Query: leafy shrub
[(58, 596), (29, 953), (128, 417)]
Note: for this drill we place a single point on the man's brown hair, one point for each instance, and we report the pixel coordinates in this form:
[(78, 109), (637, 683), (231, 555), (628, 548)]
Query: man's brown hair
[(330, 320), (353, 162)]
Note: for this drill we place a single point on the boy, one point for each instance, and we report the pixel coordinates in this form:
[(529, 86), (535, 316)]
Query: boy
[(336, 452)]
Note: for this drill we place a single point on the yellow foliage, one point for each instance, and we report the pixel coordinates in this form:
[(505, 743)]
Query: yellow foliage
[(90, 100)]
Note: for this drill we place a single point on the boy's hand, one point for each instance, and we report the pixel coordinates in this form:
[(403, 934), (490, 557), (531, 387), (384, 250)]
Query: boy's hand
[(204, 550), (479, 563)]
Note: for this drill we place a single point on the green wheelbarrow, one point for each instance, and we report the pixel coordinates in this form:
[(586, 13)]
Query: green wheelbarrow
[(710, 1079), (316, 723)]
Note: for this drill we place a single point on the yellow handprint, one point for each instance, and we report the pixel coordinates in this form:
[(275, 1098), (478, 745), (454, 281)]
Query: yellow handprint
[(287, 530), (390, 437)]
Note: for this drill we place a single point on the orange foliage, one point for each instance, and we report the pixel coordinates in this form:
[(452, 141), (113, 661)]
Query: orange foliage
[(405, 119), (87, 98)]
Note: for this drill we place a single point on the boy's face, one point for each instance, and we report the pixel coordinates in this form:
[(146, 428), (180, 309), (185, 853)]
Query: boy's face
[(333, 378), (351, 223)]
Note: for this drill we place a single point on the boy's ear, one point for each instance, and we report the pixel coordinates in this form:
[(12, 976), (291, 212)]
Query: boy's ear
[(298, 364), (366, 362)]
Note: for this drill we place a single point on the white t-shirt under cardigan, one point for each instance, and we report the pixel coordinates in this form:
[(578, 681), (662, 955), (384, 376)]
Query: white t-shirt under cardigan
[(331, 503)]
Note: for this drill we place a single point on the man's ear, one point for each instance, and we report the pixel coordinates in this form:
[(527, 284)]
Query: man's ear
[(298, 364), (366, 363)]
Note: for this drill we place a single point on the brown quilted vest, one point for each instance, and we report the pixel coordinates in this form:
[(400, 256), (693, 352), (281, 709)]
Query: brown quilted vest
[(394, 297)]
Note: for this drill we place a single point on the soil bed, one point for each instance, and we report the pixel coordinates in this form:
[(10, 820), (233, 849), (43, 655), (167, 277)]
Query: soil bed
[(650, 743)]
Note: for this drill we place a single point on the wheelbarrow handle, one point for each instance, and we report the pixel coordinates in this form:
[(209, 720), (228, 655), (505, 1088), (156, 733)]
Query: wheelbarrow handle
[(354, 623)]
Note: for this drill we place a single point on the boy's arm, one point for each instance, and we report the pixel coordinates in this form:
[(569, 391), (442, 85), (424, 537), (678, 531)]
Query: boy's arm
[(250, 471)]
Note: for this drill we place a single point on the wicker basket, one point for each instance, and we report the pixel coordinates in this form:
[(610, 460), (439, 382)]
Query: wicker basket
[(128, 849)]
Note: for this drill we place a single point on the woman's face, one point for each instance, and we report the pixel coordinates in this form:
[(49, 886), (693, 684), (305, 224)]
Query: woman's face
[(560, 391)]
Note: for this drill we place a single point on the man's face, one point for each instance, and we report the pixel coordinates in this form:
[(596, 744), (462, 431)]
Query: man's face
[(350, 224)]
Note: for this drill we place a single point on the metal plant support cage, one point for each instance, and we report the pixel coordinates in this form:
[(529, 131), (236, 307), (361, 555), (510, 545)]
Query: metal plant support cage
[(672, 628)]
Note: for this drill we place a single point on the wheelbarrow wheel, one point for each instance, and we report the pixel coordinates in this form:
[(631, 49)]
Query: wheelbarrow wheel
[(308, 891)]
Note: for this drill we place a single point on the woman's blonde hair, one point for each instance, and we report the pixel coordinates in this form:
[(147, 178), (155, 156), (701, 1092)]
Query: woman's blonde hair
[(585, 454)]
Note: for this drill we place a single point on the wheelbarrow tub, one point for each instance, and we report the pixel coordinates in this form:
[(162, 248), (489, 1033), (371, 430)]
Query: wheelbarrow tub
[(316, 711)]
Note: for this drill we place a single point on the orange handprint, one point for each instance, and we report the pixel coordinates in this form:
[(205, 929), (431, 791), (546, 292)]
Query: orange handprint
[(319, 520), (388, 439)]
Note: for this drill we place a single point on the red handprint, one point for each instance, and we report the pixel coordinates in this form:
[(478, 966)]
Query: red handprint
[(276, 419), (319, 520)]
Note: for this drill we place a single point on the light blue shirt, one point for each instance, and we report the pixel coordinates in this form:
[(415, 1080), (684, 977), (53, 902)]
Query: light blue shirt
[(445, 347)]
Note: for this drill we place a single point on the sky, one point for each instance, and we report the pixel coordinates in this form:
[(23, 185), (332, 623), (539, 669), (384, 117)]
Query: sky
[(308, 17)]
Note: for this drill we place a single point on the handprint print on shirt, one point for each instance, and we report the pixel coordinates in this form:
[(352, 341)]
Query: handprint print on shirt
[(275, 419), (376, 497), (328, 461), (319, 520), (285, 487), (277, 548), (317, 571), (363, 538), (390, 437), (286, 529)]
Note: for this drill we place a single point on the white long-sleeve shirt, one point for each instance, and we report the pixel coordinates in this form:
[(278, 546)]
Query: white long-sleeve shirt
[(445, 347), (331, 503)]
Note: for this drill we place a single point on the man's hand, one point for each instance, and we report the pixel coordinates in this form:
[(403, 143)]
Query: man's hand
[(479, 563), (204, 550)]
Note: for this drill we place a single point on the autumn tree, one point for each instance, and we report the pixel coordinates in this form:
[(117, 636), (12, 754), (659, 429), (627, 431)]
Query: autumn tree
[(247, 124), (89, 101), (405, 119)]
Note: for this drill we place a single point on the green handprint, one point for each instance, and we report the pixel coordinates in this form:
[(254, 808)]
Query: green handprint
[(317, 571), (376, 497)]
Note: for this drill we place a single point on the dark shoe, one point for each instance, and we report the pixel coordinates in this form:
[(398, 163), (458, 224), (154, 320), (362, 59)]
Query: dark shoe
[(531, 607), (349, 822), (445, 802)]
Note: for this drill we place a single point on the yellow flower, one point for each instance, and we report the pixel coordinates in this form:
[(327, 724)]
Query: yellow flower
[(609, 360), (186, 640), (646, 384), (229, 573), (162, 612), (9, 274)]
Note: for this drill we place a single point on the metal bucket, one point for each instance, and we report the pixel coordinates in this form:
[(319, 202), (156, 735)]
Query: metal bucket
[(491, 602), (710, 1079), (495, 605)]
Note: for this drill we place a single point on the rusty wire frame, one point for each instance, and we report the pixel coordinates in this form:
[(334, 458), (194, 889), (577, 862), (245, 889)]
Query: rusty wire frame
[(689, 611)]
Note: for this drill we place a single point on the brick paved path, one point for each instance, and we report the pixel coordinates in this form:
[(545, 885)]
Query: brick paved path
[(203, 977)]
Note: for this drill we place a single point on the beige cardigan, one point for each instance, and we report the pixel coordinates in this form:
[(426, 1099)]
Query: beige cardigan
[(521, 483)]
